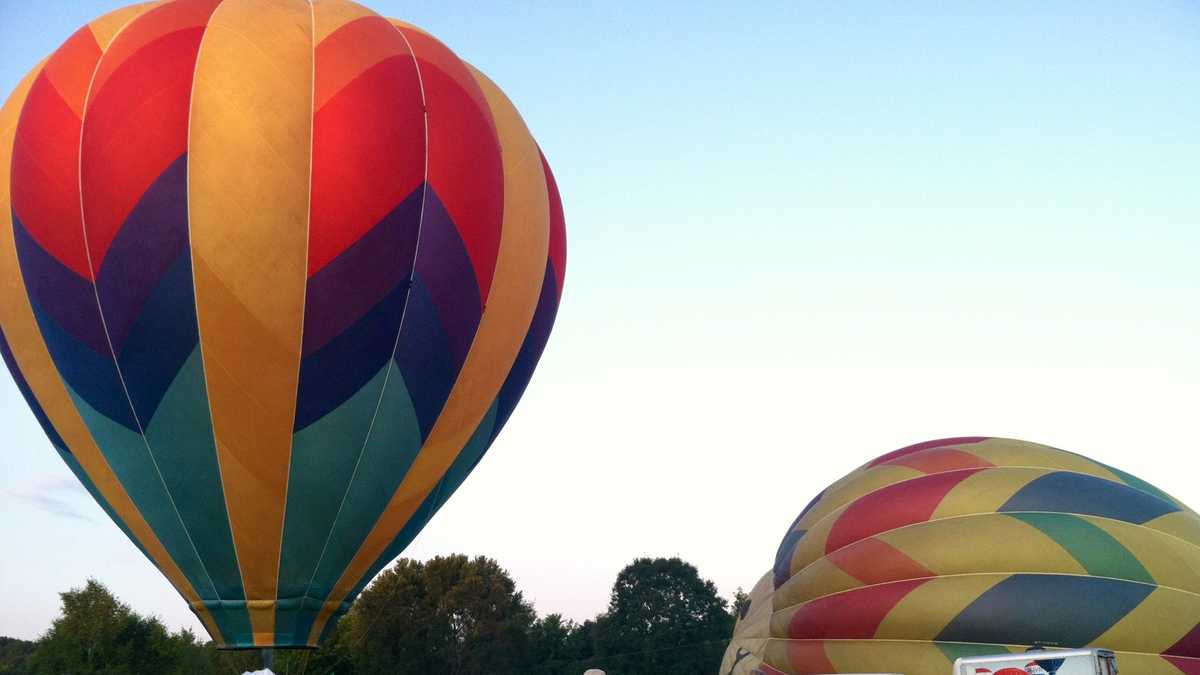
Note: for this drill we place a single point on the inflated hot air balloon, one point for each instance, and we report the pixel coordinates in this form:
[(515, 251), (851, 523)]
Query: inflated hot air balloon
[(974, 546), (276, 274)]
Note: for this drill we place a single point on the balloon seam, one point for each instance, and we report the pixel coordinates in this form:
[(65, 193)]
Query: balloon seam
[(396, 343), (134, 513), (478, 76), (104, 323)]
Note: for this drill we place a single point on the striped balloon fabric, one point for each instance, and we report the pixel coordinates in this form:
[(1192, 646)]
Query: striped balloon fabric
[(973, 546), (275, 274)]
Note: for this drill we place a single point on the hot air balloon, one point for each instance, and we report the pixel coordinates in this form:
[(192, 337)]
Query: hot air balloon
[(275, 274), (975, 546)]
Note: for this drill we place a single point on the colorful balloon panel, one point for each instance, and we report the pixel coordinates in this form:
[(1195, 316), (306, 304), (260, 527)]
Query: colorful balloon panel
[(275, 275), (969, 546)]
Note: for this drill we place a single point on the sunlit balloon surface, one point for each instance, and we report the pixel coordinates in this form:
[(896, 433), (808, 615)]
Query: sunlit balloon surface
[(274, 275), (973, 546)]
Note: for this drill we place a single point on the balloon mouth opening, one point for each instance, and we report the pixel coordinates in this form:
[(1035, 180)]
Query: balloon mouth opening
[(287, 623)]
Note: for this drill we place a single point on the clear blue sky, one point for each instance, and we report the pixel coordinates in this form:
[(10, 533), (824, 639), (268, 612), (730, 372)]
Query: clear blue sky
[(800, 235)]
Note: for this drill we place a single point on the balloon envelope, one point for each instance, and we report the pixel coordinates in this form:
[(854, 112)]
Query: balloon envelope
[(275, 275), (972, 546)]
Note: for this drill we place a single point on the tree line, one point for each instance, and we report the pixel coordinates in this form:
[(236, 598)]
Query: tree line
[(453, 614)]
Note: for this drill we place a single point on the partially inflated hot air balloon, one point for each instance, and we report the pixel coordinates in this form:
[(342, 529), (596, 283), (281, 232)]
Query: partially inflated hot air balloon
[(276, 274), (974, 546)]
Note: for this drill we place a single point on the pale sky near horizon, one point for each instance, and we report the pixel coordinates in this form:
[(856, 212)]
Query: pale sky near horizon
[(800, 235)]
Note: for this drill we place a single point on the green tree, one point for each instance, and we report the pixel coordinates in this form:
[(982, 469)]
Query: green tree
[(663, 619), (549, 647), (96, 634), (79, 639), (450, 615), (741, 604), (580, 649), (15, 656)]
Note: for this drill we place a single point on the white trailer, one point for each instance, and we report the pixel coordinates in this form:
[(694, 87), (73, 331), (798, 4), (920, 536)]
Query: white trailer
[(1048, 661)]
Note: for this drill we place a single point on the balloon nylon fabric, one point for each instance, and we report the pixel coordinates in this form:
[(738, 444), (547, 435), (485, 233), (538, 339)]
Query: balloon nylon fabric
[(971, 546), (275, 275)]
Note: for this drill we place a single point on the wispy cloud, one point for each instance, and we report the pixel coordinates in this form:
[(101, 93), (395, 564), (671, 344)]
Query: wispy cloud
[(57, 497)]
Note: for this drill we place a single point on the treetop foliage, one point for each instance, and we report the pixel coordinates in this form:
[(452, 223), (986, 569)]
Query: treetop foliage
[(664, 619), (453, 614)]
